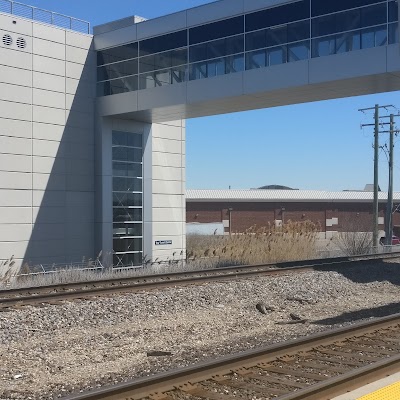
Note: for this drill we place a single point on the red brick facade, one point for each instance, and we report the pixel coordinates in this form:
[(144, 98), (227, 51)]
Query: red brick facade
[(246, 214)]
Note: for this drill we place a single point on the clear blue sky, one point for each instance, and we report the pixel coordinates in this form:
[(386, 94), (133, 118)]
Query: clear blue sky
[(307, 146)]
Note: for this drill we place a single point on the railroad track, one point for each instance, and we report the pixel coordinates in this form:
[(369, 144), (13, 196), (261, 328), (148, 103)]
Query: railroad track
[(54, 294), (317, 367)]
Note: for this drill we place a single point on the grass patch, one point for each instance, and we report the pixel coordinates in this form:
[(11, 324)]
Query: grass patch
[(293, 241)]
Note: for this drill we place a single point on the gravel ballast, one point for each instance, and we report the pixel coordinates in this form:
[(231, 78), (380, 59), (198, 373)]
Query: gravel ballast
[(50, 351)]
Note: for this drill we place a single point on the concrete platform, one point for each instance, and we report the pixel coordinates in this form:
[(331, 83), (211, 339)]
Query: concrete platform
[(383, 389)]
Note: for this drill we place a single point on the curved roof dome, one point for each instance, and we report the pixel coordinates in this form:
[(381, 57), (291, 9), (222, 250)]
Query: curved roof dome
[(276, 187)]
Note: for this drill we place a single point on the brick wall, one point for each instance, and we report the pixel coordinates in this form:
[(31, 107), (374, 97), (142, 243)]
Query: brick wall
[(247, 214)]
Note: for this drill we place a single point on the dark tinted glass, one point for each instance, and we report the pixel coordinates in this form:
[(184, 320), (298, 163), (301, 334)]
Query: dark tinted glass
[(126, 154), (123, 245), (374, 15), (127, 199), (117, 70), (216, 30), (277, 36), (128, 259), (350, 20), (393, 11), (127, 214), (320, 7), (278, 15), (256, 40), (127, 230), (298, 31), (116, 86), (127, 169), (127, 185), (217, 48), (126, 139), (117, 53), (163, 43), (163, 60)]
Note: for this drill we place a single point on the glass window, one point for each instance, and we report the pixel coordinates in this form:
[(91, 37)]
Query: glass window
[(276, 55), (127, 84), (217, 48), (278, 15), (133, 259), (374, 15), (321, 7), (215, 68), (393, 11), (348, 42), (347, 21), (256, 59), (127, 169), (133, 140), (117, 70), (127, 184), (126, 154), (234, 64), (163, 60), (323, 46), (178, 74), (127, 139), (127, 214), (162, 43), (393, 33), (276, 36), (127, 199), (298, 31), (119, 53), (256, 40), (127, 245), (298, 51), (324, 25), (198, 71), (216, 30), (132, 229)]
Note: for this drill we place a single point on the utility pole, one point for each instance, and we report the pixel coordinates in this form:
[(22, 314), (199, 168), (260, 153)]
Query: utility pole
[(389, 205), (375, 220), (375, 232)]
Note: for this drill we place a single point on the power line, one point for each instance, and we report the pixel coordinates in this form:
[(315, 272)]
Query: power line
[(377, 123)]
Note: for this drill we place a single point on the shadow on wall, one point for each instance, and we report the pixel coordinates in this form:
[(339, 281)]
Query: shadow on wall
[(63, 173)]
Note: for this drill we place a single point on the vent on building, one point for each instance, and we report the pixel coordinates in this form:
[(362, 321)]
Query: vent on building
[(7, 40), (21, 43)]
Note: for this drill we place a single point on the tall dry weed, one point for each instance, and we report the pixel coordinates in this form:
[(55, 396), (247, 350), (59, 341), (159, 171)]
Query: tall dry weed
[(293, 241)]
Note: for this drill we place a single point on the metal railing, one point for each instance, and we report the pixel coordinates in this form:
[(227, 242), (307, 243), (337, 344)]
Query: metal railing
[(45, 16)]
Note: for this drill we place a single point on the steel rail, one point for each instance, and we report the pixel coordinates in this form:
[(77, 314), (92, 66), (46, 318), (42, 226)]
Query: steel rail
[(321, 262), (158, 386), (84, 290)]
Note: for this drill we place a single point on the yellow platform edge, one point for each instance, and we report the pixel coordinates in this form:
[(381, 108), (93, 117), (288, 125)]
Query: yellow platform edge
[(391, 392)]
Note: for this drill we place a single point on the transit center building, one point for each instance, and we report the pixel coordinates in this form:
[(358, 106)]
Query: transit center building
[(92, 126)]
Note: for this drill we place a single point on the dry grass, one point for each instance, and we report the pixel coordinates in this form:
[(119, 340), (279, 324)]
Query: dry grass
[(293, 241)]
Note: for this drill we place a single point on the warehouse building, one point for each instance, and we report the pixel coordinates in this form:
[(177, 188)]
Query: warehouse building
[(332, 212), (92, 126)]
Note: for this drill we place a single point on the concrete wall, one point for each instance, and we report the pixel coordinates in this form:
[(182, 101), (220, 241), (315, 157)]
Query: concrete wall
[(46, 143)]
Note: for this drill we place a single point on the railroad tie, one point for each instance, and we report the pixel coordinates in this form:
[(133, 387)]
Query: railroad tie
[(243, 385), (292, 372), (198, 391), (246, 373)]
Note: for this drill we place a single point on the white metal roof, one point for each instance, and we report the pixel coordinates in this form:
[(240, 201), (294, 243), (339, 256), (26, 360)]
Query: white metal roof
[(284, 195)]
